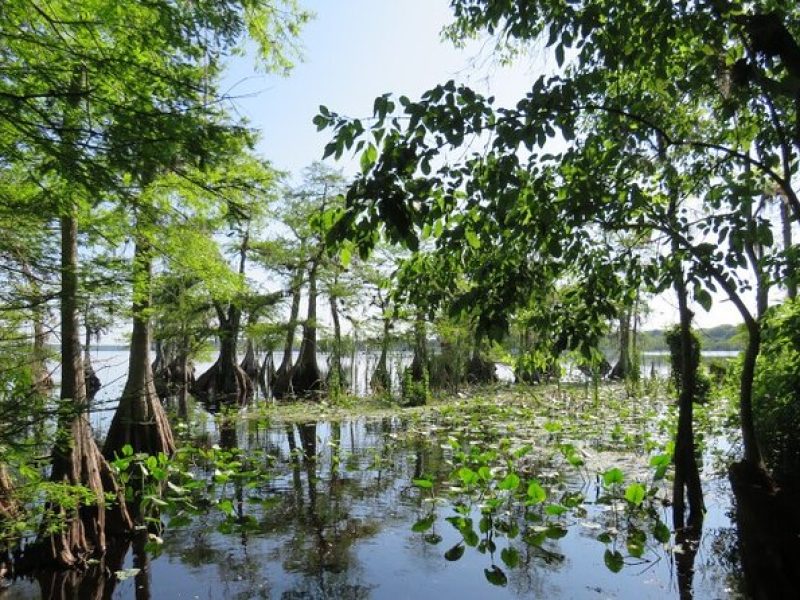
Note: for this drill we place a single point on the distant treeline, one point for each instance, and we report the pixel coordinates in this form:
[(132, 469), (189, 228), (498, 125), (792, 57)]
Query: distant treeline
[(721, 337)]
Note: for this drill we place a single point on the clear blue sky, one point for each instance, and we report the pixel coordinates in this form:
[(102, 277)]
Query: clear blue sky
[(355, 50)]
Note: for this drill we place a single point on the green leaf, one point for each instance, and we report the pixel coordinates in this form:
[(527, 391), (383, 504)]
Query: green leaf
[(226, 506), (432, 538), (661, 532), (472, 239), (613, 560), (636, 542), (455, 552), (575, 459), (344, 256), (510, 482), (703, 298), (495, 576), (510, 557), (536, 493), (555, 531), (635, 493), (468, 476), (368, 158), (424, 524), (424, 484), (613, 476), (555, 510)]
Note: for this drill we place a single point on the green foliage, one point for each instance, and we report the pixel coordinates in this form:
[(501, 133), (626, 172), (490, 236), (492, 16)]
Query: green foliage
[(414, 391), (776, 393)]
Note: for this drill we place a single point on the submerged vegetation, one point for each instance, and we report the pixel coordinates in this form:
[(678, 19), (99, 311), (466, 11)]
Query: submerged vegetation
[(447, 344)]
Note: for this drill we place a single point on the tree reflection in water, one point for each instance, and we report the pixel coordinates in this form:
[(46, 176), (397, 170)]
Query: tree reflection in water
[(334, 520)]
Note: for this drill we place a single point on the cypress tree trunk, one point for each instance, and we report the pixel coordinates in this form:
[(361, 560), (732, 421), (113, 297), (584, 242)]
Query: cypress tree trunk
[(419, 364), (306, 376), (76, 459), (266, 375), (283, 376), (336, 355), (752, 451), (225, 382), (162, 375), (686, 484), (93, 383), (623, 367), (380, 381), (479, 370), (140, 419), (8, 506), (250, 364)]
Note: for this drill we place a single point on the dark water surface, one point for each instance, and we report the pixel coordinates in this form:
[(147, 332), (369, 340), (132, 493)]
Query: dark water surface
[(340, 526), (335, 519)]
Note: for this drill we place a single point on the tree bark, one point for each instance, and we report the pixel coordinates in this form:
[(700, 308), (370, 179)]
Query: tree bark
[(686, 484), (250, 364), (419, 364), (306, 376), (283, 376), (266, 375), (623, 367), (8, 505), (479, 370), (786, 230), (336, 354), (76, 458), (93, 383), (140, 419), (381, 381), (225, 382)]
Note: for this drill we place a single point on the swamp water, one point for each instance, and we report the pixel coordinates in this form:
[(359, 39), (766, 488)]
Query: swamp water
[(525, 492)]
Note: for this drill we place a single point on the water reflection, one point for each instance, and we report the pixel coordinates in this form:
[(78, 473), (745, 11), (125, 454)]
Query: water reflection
[(339, 518)]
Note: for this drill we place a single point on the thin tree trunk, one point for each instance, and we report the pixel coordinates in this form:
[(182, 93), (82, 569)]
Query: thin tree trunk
[(250, 364), (419, 364), (336, 356), (8, 505), (140, 420), (266, 375), (686, 484), (623, 367), (786, 230), (381, 381), (93, 383), (282, 381)]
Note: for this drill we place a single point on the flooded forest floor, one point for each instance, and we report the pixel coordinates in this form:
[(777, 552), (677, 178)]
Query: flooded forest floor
[(496, 492)]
